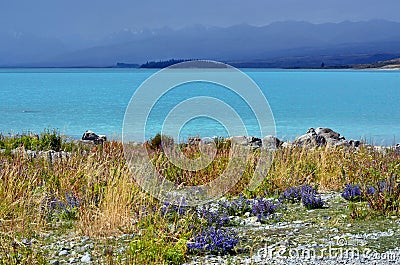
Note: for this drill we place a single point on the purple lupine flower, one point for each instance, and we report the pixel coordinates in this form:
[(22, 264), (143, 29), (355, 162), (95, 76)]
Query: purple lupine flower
[(214, 240), (352, 192), (312, 201), (218, 218), (263, 208), (294, 194), (237, 207)]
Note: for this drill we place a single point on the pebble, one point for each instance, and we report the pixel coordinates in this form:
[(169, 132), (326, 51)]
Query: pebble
[(251, 220), (73, 260), (87, 247), (63, 252), (86, 258)]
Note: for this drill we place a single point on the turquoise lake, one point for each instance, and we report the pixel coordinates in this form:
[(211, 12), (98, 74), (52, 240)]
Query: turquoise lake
[(358, 104)]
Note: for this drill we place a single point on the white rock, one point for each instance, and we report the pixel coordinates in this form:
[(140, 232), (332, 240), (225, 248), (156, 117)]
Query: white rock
[(73, 260), (86, 258), (63, 253)]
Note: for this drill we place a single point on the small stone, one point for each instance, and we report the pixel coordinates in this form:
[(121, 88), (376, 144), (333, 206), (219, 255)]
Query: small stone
[(88, 246), (73, 260), (84, 239), (54, 262), (80, 249), (123, 236), (86, 258), (348, 225), (122, 250), (63, 252), (251, 220), (45, 235)]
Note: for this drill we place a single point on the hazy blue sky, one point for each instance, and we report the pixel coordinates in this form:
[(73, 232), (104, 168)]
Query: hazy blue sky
[(96, 18)]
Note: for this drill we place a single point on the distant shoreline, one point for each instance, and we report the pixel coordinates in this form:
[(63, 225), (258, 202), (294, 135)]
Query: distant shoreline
[(272, 68), (392, 64)]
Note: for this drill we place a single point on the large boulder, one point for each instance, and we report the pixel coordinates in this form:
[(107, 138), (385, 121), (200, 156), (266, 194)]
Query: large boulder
[(246, 141), (352, 143), (321, 137), (271, 142), (91, 137)]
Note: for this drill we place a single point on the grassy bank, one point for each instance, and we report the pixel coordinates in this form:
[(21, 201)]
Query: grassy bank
[(91, 192)]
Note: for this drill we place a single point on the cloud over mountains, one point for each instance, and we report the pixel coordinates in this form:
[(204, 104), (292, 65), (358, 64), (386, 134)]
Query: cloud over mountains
[(279, 42)]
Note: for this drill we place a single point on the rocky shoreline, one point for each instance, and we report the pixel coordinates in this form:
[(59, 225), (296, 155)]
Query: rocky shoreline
[(314, 137), (318, 137)]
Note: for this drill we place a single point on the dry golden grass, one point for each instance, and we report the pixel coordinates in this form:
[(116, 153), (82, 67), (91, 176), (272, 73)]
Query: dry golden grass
[(113, 203)]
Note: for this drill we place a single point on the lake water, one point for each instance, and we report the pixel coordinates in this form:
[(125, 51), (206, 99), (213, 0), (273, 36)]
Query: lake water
[(358, 104)]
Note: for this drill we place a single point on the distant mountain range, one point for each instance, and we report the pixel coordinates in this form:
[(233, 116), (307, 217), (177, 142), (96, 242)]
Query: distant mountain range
[(280, 44)]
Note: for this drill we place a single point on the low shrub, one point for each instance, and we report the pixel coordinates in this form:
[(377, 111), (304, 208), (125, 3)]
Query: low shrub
[(157, 251), (155, 143), (385, 198), (47, 140)]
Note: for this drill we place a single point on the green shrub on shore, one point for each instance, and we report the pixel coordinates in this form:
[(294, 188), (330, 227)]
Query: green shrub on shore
[(47, 140), (155, 143), (158, 243)]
